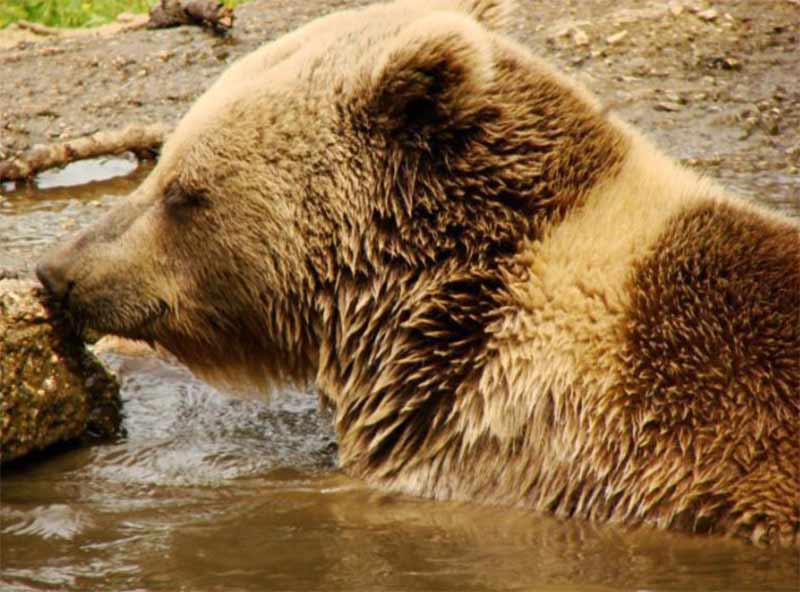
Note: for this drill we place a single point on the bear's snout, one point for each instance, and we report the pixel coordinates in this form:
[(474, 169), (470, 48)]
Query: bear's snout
[(53, 277)]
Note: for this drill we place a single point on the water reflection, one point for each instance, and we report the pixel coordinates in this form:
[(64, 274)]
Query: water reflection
[(94, 170)]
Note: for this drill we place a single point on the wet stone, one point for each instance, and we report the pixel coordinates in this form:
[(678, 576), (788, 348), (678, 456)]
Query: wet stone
[(51, 388)]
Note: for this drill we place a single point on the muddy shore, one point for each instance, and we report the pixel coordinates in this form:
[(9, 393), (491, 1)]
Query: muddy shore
[(714, 83)]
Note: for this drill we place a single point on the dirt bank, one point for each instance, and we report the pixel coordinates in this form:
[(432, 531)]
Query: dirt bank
[(715, 83)]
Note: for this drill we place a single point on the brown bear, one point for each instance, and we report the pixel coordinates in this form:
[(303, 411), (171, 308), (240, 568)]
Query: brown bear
[(506, 294)]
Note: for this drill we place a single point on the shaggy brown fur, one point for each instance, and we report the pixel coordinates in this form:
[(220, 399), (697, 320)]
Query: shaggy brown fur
[(505, 294), (712, 352)]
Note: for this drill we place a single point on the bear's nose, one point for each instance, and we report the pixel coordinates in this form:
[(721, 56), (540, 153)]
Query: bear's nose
[(53, 278)]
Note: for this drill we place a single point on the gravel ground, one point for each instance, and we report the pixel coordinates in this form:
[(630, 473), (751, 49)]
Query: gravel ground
[(715, 83)]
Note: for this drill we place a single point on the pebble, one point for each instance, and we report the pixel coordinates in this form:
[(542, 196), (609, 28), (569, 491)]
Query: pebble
[(45, 111), (732, 64), (616, 37), (708, 15), (724, 63), (676, 9), (579, 37), (667, 106), (675, 98), (773, 129)]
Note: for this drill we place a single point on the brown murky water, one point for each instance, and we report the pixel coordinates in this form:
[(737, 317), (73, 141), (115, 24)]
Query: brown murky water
[(207, 492)]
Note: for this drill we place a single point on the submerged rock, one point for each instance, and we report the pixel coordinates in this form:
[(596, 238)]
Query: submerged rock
[(51, 388)]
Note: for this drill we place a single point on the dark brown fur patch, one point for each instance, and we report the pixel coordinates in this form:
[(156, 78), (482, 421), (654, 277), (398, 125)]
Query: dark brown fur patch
[(713, 371), (529, 150), (404, 354)]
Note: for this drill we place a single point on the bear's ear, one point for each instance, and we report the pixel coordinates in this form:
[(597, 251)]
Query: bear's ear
[(494, 14), (432, 76)]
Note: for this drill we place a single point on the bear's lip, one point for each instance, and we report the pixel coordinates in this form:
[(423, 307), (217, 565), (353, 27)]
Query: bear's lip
[(90, 327)]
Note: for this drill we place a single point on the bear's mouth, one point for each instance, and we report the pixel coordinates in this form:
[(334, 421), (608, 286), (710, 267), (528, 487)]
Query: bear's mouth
[(107, 316)]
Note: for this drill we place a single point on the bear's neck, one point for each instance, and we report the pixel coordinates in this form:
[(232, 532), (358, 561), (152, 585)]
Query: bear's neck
[(405, 324), (399, 355)]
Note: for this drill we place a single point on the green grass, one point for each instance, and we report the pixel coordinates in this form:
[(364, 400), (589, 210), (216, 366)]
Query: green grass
[(73, 13), (68, 13)]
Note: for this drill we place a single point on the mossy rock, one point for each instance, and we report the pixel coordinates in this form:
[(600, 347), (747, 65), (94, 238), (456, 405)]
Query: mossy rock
[(53, 389)]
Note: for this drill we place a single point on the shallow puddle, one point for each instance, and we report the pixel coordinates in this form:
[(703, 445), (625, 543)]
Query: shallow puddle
[(208, 492), (35, 215)]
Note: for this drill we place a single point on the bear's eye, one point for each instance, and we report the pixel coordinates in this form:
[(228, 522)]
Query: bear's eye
[(177, 197)]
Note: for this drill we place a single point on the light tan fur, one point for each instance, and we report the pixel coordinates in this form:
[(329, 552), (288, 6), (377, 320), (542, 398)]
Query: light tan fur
[(506, 295)]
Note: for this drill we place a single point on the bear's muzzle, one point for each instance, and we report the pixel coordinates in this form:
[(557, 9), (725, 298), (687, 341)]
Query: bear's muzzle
[(54, 278)]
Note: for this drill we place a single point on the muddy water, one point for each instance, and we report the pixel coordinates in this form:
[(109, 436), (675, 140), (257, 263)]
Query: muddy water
[(207, 492), (33, 216)]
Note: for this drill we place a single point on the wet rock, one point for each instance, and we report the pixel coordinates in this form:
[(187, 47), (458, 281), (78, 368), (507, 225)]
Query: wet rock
[(53, 389)]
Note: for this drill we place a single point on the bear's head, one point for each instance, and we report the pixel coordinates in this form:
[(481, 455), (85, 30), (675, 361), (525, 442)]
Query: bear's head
[(329, 174)]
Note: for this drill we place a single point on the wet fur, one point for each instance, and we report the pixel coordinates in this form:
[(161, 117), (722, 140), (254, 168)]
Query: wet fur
[(506, 294)]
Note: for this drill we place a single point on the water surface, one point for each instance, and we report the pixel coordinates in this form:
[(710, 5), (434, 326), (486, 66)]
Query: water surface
[(208, 492), (59, 202)]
